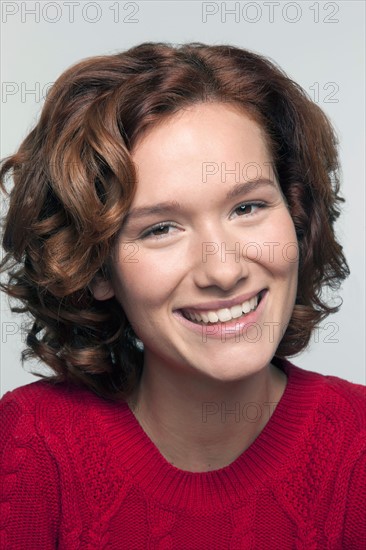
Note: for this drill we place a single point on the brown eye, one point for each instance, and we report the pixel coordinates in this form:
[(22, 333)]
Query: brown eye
[(158, 230), (249, 208)]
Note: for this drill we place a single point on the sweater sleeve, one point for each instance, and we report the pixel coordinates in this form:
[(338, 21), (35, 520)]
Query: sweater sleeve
[(355, 517), (29, 485)]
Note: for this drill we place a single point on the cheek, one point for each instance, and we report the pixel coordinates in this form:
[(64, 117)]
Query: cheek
[(147, 281), (277, 249), (143, 289), (289, 247)]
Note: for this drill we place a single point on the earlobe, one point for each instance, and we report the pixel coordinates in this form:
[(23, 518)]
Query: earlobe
[(101, 288)]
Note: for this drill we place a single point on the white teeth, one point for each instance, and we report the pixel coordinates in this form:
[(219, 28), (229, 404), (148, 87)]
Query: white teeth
[(246, 307), (212, 317), (205, 318), (225, 314), (254, 301), (236, 311)]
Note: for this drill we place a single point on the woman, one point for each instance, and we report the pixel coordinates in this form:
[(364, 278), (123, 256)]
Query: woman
[(171, 228)]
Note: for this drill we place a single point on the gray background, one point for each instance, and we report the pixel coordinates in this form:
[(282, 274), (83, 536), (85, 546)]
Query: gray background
[(319, 44)]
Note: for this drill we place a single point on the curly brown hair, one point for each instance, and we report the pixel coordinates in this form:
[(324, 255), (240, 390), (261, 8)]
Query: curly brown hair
[(74, 181)]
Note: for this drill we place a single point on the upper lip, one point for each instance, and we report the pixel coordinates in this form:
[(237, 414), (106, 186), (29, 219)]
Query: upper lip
[(221, 304)]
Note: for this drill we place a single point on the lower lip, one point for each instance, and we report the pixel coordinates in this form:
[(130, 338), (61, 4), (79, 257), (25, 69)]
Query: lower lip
[(230, 329)]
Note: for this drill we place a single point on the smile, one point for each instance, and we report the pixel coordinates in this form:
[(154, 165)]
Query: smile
[(225, 314)]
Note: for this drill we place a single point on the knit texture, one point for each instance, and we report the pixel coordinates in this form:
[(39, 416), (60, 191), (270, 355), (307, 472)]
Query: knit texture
[(79, 472)]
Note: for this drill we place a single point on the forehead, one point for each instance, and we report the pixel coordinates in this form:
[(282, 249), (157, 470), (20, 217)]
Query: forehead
[(200, 158), (204, 133)]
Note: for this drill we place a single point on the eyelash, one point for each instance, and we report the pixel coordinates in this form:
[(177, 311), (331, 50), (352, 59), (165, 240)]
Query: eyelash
[(149, 232)]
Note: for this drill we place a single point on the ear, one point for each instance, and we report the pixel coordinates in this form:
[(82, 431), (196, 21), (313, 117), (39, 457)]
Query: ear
[(101, 288)]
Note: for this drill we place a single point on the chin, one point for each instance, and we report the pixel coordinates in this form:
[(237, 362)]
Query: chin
[(235, 366)]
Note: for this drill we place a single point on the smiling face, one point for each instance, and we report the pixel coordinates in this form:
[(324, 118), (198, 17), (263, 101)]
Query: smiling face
[(224, 242)]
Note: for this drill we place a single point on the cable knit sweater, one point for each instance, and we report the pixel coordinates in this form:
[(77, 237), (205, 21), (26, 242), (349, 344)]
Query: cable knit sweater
[(79, 472)]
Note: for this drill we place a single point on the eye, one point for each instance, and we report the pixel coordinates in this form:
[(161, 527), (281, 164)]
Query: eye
[(161, 230), (247, 209), (158, 230)]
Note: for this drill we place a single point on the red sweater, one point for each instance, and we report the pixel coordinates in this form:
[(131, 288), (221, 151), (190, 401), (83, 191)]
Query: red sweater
[(79, 472)]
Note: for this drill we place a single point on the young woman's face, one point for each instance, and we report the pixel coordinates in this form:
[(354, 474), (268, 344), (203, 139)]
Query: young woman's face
[(217, 238)]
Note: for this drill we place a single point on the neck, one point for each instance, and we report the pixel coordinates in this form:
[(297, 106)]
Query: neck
[(200, 424)]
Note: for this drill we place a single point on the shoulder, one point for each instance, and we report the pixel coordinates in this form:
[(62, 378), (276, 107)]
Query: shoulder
[(46, 409), (347, 401), (335, 397), (46, 393), (343, 406), (349, 390), (30, 397), (336, 414), (330, 462), (344, 403)]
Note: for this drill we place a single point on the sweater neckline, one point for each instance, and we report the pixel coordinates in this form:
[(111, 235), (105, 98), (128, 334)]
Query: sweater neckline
[(260, 463)]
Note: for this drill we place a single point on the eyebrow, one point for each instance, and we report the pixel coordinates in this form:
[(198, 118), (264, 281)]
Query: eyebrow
[(167, 207)]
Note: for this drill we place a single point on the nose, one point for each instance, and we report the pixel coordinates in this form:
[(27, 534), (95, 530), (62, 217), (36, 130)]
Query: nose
[(220, 264)]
